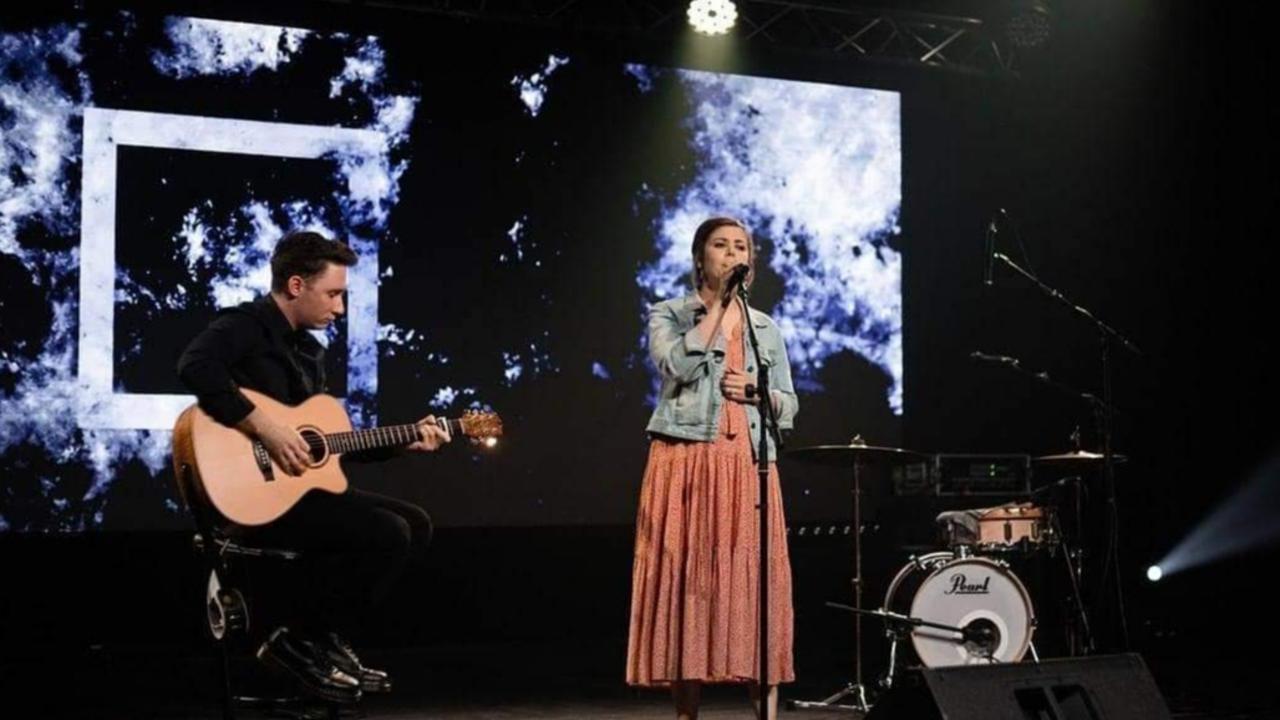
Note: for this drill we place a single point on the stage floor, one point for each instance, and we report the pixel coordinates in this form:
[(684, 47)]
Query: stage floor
[(496, 681)]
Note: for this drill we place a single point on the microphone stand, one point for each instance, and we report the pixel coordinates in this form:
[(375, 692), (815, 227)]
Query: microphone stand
[(1042, 376), (1074, 566), (769, 423), (967, 634), (984, 638), (1107, 335)]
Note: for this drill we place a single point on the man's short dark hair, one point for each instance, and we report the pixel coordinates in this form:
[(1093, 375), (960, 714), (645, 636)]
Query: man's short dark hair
[(306, 253)]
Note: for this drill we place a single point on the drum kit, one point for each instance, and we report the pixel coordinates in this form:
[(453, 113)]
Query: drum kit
[(960, 603)]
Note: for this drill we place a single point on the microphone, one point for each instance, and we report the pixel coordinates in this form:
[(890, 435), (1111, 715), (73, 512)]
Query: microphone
[(736, 277), (982, 633), (993, 228)]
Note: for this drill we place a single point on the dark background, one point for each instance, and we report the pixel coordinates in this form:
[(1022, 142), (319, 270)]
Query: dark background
[(1136, 158)]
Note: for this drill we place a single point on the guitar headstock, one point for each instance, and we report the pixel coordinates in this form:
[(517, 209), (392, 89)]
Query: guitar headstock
[(481, 426)]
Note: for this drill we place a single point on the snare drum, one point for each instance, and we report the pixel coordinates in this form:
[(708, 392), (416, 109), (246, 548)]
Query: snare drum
[(1014, 526), (974, 593), (998, 529)]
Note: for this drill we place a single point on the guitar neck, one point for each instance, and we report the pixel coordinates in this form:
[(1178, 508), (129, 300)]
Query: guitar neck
[(385, 437)]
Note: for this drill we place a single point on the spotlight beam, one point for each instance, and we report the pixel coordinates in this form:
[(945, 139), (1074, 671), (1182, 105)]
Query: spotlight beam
[(1243, 522)]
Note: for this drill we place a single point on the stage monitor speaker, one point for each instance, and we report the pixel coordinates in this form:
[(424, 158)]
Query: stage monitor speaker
[(1104, 687)]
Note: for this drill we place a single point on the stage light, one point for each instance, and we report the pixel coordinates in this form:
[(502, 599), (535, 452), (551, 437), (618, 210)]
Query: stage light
[(1243, 522), (712, 17), (1154, 573), (1030, 23)]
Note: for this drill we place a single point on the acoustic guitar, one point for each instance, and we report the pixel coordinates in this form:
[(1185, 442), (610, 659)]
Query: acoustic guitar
[(235, 475)]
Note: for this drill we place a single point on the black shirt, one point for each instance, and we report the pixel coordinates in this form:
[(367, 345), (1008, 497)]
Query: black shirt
[(253, 346)]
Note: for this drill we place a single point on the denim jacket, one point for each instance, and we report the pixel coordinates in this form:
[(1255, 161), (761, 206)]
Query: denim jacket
[(690, 399)]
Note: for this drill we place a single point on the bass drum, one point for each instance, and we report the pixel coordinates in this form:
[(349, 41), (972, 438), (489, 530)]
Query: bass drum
[(975, 593)]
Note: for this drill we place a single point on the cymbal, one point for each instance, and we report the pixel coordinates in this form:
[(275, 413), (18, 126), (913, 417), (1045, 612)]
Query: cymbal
[(845, 455), (1078, 456)]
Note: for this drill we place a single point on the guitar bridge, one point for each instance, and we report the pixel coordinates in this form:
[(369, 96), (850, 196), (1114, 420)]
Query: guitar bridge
[(264, 461)]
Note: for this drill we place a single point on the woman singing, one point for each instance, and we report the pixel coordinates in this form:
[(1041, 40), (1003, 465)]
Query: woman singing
[(695, 582)]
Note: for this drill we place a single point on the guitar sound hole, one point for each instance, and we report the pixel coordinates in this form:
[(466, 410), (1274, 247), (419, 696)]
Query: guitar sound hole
[(316, 441)]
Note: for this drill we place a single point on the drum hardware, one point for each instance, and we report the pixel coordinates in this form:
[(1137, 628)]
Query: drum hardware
[(982, 609), (856, 454), (1077, 457), (1080, 639), (965, 605), (1079, 634)]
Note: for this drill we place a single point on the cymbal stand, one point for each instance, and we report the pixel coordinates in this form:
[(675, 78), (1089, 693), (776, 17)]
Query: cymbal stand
[(1080, 640), (855, 689)]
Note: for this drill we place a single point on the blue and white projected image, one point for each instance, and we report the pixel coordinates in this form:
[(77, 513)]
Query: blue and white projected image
[(67, 222), (514, 213), (817, 171)]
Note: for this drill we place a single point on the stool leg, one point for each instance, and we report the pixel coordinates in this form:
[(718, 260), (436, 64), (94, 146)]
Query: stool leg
[(224, 673)]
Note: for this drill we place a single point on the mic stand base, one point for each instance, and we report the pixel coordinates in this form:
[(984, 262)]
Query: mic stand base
[(853, 690)]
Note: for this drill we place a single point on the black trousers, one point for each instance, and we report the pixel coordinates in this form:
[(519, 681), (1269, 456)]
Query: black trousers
[(354, 547)]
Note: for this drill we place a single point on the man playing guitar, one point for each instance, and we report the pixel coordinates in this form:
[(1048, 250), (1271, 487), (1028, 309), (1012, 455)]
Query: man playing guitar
[(354, 543)]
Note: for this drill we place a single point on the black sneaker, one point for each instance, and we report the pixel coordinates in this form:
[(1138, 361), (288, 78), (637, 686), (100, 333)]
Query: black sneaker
[(312, 669), (340, 653)]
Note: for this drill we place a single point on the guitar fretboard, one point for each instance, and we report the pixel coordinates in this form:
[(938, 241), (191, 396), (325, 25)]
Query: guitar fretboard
[(382, 437)]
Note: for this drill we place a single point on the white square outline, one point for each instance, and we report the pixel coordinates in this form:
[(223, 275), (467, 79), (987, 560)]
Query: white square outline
[(105, 130)]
